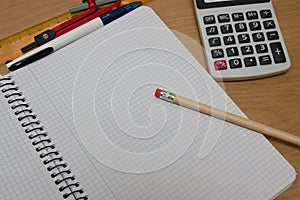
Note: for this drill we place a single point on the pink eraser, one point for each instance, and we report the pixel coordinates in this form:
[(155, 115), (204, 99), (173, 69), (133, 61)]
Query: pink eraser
[(157, 92)]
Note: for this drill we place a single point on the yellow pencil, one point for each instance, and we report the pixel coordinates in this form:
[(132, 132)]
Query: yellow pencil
[(229, 117)]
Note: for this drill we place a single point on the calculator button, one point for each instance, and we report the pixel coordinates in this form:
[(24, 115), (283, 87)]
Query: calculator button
[(250, 61), (244, 38), (252, 15), (235, 63), (240, 27), (270, 24), (255, 26), (227, 28), (213, 42), (220, 65), (265, 14), (238, 16), (210, 19), (212, 30), (246, 50), (265, 60), (278, 53), (257, 37), (273, 35), (261, 48), (232, 51), (228, 40), (223, 18), (217, 53)]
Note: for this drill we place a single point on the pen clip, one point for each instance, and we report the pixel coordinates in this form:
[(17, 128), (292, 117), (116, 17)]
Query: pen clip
[(69, 25), (75, 22), (59, 30), (40, 39), (92, 16), (92, 8)]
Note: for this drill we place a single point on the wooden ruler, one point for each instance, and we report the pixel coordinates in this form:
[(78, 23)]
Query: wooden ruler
[(10, 47)]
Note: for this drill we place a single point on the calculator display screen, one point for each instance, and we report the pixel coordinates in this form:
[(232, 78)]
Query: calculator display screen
[(202, 4)]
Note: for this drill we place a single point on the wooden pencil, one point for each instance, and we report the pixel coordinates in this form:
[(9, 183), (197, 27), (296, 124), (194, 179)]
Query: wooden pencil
[(229, 117)]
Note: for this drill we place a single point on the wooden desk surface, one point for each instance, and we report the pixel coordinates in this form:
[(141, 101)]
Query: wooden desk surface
[(273, 101)]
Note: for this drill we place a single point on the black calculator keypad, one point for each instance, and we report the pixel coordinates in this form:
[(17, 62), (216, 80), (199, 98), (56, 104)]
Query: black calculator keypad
[(265, 14), (277, 52), (240, 27), (213, 42), (217, 53), (258, 37), (255, 26), (232, 51), (243, 39), (250, 61), (247, 50), (210, 19), (252, 15), (227, 28), (273, 35), (235, 63), (261, 48), (222, 18), (238, 16), (229, 40), (265, 60), (270, 24), (212, 30)]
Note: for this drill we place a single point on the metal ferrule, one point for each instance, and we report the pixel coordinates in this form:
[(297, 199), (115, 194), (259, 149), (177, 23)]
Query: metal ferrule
[(167, 96)]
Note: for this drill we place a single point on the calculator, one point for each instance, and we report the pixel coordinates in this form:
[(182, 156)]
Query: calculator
[(241, 39)]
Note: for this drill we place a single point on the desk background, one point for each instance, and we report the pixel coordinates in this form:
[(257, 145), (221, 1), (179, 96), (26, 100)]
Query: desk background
[(273, 101)]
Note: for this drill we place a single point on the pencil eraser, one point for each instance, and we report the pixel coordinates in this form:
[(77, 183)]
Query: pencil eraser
[(157, 92)]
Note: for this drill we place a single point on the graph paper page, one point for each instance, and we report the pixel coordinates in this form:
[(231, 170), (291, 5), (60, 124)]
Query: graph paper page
[(22, 173), (96, 99)]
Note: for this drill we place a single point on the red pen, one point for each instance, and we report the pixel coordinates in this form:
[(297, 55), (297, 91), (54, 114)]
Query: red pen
[(69, 25)]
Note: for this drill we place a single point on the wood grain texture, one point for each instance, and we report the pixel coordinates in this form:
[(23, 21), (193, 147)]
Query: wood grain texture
[(272, 101), (18, 15)]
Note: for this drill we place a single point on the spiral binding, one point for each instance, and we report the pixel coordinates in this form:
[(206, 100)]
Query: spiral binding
[(42, 143)]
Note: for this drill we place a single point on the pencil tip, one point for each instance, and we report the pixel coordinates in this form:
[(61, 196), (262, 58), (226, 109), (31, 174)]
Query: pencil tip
[(157, 92)]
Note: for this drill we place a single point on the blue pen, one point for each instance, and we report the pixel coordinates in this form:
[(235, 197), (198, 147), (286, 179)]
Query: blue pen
[(70, 37), (115, 14)]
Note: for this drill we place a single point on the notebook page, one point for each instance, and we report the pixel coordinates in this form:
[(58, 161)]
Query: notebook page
[(22, 173), (96, 99)]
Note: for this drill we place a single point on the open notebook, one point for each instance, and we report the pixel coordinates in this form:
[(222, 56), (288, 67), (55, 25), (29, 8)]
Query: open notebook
[(90, 126)]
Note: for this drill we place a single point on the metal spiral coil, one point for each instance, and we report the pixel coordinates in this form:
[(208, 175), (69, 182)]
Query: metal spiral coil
[(40, 140)]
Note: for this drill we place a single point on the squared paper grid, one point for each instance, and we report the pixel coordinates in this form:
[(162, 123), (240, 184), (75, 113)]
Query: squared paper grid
[(22, 174), (62, 137), (243, 165)]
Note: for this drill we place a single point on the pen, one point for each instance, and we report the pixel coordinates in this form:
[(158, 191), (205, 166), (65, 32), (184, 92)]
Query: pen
[(64, 27), (85, 6), (71, 36), (226, 116)]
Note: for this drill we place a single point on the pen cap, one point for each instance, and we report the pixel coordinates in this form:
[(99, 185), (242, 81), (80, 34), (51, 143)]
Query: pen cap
[(85, 6), (115, 14)]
